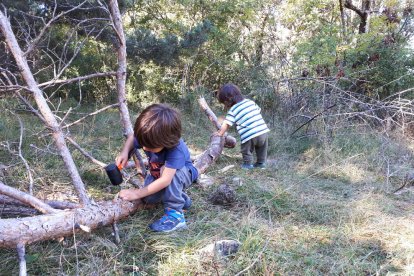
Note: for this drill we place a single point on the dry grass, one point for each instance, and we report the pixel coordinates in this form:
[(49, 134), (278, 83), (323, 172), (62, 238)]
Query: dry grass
[(316, 210)]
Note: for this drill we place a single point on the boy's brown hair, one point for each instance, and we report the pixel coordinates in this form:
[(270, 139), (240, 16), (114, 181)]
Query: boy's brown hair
[(229, 94), (158, 126)]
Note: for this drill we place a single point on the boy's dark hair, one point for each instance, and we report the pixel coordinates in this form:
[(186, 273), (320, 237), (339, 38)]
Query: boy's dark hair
[(159, 125), (229, 94)]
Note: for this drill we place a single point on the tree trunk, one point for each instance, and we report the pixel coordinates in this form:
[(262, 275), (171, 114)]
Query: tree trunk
[(343, 22), (363, 14), (121, 74), (229, 141), (122, 66)]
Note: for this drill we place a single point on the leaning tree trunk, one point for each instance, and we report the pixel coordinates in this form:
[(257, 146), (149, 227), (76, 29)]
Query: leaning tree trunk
[(229, 141), (121, 74), (44, 109)]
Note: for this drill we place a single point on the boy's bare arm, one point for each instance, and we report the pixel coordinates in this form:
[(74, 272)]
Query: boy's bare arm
[(156, 186), (223, 129)]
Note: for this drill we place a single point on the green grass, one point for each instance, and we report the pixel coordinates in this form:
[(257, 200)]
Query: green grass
[(318, 209)]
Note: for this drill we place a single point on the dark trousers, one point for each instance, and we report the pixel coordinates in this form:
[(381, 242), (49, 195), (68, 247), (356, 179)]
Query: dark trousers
[(172, 196), (257, 144)]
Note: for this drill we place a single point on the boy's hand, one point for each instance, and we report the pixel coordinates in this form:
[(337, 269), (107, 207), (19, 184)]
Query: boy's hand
[(129, 194), (122, 160)]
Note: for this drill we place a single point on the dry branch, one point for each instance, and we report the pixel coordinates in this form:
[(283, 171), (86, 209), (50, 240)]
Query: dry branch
[(90, 114), (85, 153), (21, 251), (209, 156), (122, 66), (229, 141), (68, 81), (26, 198)]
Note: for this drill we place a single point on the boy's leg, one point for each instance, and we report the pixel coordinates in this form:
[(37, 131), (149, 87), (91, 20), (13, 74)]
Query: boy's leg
[(174, 196), (261, 148), (247, 152)]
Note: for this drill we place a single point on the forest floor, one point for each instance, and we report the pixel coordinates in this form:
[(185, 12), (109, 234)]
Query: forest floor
[(321, 207)]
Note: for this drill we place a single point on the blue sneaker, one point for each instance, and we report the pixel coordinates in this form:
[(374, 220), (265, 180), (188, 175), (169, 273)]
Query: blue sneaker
[(172, 220), (260, 165), (246, 166)]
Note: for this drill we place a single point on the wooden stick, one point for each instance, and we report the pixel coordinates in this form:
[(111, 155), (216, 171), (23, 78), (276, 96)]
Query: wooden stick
[(229, 141), (27, 199), (21, 252)]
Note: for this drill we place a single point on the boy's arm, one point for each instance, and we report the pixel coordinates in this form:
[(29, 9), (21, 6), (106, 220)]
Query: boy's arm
[(156, 186), (122, 158), (223, 129)]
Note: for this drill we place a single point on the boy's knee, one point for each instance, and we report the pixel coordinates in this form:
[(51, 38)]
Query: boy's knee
[(151, 199)]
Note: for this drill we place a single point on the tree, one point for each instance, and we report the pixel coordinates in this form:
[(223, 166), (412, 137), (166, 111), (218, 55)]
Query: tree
[(87, 215)]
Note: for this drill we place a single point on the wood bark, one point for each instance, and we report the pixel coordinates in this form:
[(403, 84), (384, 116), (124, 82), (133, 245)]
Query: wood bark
[(21, 252), (55, 204), (121, 72), (44, 109), (229, 141), (343, 21), (64, 223), (210, 155)]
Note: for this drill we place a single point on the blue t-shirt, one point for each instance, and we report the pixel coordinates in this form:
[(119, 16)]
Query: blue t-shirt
[(174, 158)]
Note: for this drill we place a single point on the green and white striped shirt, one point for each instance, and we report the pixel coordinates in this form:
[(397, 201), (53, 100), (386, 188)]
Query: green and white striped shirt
[(248, 119)]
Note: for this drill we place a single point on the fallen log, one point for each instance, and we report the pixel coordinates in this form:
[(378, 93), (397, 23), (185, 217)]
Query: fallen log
[(64, 223), (229, 141)]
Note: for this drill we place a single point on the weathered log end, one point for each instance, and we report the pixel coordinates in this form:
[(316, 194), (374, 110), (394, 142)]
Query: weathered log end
[(210, 155)]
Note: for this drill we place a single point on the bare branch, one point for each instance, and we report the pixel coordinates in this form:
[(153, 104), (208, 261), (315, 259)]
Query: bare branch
[(21, 252), (230, 142), (48, 24), (122, 67), (29, 172), (26, 198), (85, 153), (68, 81), (91, 114)]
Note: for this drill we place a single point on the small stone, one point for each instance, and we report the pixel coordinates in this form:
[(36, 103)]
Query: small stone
[(237, 181), (220, 248), (205, 181)]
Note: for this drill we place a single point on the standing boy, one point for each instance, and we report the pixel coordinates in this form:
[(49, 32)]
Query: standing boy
[(249, 122), (158, 132)]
